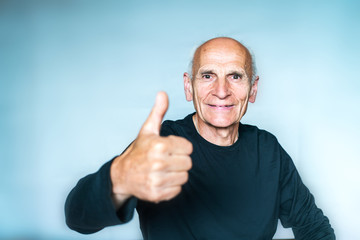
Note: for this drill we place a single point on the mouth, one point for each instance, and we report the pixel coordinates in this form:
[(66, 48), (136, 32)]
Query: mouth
[(221, 107)]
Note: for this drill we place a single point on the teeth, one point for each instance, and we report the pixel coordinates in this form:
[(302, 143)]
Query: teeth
[(220, 105)]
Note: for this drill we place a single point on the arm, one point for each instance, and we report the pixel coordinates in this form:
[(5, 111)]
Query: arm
[(298, 209), (89, 207), (153, 168)]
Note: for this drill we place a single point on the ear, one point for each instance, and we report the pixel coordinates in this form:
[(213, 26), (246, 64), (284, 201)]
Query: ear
[(188, 87), (253, 90)]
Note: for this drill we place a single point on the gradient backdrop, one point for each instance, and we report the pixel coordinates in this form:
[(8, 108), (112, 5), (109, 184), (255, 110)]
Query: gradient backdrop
[(78, 78)]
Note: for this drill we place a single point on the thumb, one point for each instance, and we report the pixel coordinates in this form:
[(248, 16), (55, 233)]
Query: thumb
[(153, 122)]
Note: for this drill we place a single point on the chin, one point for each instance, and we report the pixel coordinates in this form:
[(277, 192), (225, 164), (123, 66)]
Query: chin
[(222, 123)]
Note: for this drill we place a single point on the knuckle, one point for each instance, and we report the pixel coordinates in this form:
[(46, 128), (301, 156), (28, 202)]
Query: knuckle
[(154, 196), (171, 137), (151, 197), (157, 166), (177, 190), (172, 194), (169, 197), (152, 181), (190, 146), (158, 146), (184, 178), (186, 144), (188, 163)]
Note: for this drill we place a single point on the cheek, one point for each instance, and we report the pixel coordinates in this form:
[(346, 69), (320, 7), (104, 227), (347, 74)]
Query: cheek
[(242, 93), (244, 96), (200, 91)]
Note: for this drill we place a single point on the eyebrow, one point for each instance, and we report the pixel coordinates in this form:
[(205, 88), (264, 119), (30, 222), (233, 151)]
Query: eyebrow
[(236, 73), (206, 72)]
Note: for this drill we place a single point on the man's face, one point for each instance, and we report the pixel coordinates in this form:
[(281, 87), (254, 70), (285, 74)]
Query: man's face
[(220, 89)]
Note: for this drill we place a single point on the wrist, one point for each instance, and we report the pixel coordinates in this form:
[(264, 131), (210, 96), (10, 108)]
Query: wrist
[(118, 189)]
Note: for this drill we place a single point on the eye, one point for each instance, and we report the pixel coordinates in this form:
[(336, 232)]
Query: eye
[(206, 76), (237, 76)]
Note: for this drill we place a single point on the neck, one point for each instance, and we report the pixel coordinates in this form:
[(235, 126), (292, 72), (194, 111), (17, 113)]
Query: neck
[(219, 136)]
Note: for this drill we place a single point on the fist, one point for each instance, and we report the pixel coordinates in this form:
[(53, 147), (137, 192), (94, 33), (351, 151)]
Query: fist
[(153, 168)]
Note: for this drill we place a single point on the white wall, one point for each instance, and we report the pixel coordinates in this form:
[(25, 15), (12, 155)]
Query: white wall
[(78, 79)]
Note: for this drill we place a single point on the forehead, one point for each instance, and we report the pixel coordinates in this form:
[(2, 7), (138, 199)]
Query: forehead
[(222, 54)]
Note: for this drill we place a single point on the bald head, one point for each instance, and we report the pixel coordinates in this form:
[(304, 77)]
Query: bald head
[(226, 44)]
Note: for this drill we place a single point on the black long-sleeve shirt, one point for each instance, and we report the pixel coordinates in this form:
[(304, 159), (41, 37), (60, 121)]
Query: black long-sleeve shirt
[(233, 192)]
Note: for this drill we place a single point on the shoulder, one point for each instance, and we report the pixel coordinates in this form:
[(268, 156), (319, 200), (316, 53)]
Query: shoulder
[(179, 127), (255, 133), (260, 141), (267, 147)]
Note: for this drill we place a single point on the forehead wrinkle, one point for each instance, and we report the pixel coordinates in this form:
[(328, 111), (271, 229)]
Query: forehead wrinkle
[(218, 69), (223, 59), (222, 56)]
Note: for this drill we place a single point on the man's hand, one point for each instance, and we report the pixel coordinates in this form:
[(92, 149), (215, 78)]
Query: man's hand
[(153, 168)]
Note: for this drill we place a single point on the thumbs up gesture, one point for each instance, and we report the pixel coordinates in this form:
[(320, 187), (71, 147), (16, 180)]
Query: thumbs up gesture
[(153, 168)]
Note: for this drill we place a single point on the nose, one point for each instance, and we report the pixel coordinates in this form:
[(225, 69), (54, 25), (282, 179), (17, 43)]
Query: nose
[(221, 88)]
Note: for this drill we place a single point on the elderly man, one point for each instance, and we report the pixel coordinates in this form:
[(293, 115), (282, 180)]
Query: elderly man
[(206, 176)]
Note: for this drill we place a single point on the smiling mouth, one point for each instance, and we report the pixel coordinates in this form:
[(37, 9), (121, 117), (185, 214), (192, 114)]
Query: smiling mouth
[(225, 107)]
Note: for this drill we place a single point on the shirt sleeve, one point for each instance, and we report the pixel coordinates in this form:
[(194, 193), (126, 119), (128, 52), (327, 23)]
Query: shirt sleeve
[(89, 207), (297, 206)]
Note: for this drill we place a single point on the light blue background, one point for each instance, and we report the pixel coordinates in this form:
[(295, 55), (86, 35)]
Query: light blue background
[(78, 78)]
